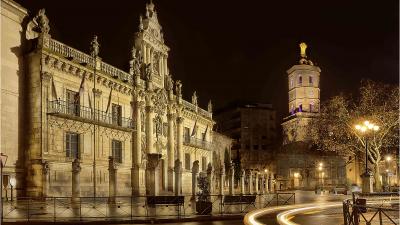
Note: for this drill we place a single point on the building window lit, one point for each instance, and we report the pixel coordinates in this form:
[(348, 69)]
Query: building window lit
[(72, 145), (117, 150)]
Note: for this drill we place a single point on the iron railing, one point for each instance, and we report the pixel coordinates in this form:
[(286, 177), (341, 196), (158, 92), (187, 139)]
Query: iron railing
[(59, 107), (129, 208), (374, 208), (196, 142)]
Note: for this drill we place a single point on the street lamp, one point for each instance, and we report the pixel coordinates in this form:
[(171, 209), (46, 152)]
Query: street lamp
[(365, 128), (3, 160)]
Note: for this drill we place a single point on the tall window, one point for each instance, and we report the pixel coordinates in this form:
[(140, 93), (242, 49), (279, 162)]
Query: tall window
[(116, 114), (72, 103), (72, 145), (291, 82), (310, 80), (204, 163), (187, 161), (186, 134), (300, 80), (117, 150)]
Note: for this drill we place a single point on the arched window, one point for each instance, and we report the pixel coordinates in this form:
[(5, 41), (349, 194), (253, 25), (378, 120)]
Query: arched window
[(300, 80), (310, 80)]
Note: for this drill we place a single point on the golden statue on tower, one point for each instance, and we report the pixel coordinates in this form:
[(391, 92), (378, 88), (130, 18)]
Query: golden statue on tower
[(303, 47)]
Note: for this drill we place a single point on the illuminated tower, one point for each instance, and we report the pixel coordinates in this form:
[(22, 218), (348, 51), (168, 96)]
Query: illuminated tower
[(304, 97)]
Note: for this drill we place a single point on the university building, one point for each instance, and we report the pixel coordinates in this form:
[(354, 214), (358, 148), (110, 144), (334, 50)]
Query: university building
[(74, 125)]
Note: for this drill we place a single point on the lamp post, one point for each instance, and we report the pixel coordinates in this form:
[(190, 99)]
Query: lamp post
[(388, 159), (364, 129), (3, 160)]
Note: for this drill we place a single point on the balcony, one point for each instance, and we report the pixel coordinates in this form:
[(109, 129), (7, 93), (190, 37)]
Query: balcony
[(196, 142), (87, 115)]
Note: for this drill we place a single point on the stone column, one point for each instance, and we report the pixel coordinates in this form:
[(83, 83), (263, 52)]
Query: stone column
[(112, 180), (165, 65), (367, 182), (269, 183), (179, 137), (149, 130), (266, 183), (242, 177), (257, 180), (178, 177), (153, 179), (250, 182), (138, 187), (232, 179), (179, 160), (262, 185), (171, 151), (76, 186), (222, 180), (210, 178), (195, 174)]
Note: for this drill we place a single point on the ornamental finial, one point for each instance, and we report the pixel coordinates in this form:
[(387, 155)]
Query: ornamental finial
[(303, 47)]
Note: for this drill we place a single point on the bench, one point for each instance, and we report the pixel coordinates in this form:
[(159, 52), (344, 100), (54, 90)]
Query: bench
[(166, 200), (239, 200), (340, 190)]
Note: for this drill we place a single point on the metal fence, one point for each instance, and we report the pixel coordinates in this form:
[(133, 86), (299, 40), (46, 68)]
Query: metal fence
[(369, 209), (125, 208)]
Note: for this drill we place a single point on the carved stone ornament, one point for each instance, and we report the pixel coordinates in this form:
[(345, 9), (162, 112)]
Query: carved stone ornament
[(46, 167), (148, 73), (160, 102), (152, 160), (42, 22), (209, 107), (195, 168), (155, 63), (76, 166)]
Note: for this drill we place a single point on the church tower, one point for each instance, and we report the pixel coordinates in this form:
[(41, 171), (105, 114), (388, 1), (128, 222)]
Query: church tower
[(304, 97)]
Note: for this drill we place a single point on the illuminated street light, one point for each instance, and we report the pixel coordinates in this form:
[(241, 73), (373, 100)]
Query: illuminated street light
[(388, 158), (364, 129), (296, 175)]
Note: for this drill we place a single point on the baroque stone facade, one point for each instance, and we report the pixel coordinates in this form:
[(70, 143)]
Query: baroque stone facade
[(95, 130)]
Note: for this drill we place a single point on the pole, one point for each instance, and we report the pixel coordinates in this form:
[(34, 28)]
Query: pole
[(366, 155), (1, 189), (94, 128)]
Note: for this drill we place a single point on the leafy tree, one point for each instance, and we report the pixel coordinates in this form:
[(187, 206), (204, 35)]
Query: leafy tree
[(334, 129)]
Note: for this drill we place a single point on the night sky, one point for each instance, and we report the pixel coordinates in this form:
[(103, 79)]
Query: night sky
[(231, 50)]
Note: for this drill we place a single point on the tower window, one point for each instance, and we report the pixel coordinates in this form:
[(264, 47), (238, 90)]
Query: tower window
[(300, 108), (300, 80), (310, 80)]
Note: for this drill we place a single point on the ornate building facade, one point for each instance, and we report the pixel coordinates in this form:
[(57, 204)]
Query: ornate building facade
[(92, 129)]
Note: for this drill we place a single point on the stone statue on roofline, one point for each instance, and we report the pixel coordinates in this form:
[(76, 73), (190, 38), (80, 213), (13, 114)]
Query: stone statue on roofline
[(42, 22), (194, 98), (94, 47), (178, 88)]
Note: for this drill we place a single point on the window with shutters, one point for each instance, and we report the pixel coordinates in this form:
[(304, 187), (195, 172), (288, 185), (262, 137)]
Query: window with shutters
[(72, 145), (117, 151)]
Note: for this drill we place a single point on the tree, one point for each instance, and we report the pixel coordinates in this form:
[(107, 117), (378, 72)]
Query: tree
[(333, 129)]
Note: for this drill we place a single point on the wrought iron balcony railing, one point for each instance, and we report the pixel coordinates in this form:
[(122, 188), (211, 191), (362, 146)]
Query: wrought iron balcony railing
[(196, 142), (86, 113)]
